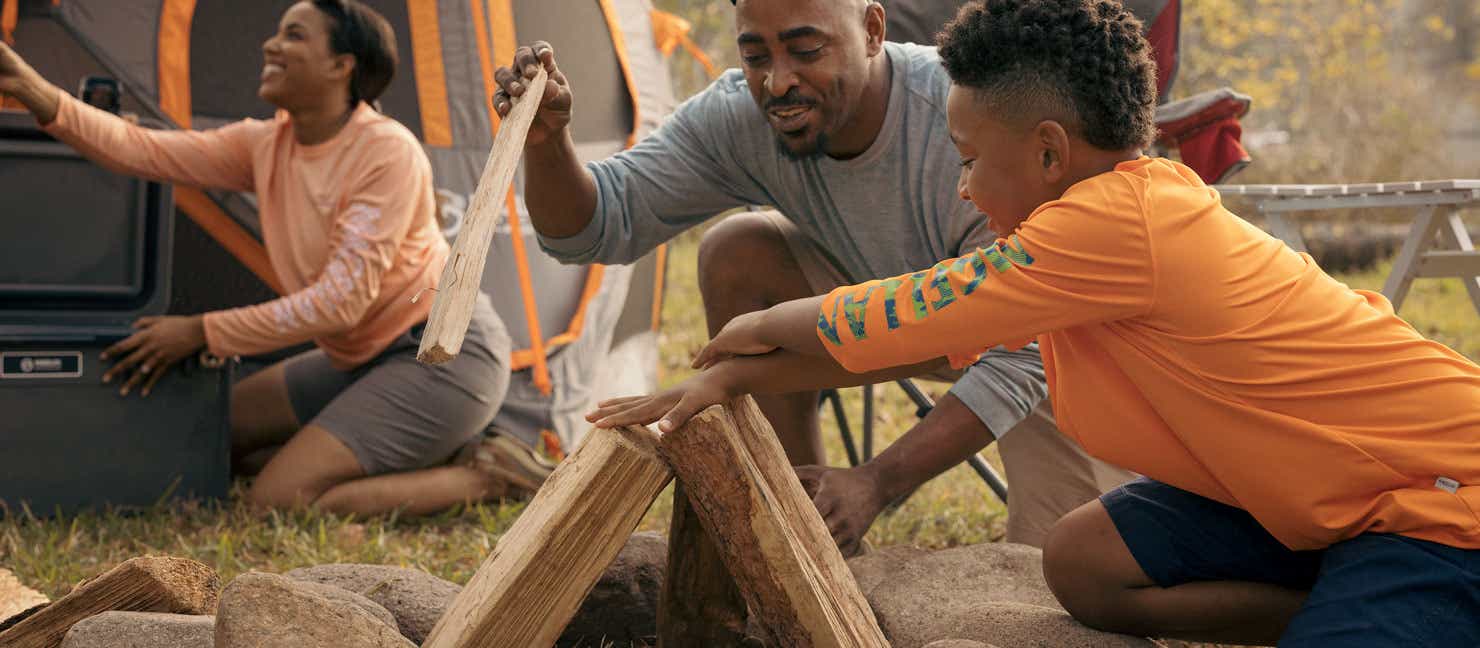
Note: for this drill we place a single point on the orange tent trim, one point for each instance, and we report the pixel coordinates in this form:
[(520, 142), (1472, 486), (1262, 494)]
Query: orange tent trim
[(431, 75)]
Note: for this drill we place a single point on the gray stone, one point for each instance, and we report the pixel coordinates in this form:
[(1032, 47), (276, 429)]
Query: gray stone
[(259, 610), (957, 643), (415, 598), (345, 596), (622, 609), (921, 596), (142, 630)]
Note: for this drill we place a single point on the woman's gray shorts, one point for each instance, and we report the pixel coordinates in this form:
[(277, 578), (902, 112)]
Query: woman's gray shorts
[(397, 414)]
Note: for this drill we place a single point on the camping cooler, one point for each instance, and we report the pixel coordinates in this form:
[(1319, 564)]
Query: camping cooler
[(83, 253)]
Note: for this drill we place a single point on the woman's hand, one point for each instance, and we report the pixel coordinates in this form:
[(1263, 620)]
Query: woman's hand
[(675, 406), (157, 345), (19, 80), (740, 336)]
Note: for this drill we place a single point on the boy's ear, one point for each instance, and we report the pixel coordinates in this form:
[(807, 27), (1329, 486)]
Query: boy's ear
[(873, 24), (1053, 150)]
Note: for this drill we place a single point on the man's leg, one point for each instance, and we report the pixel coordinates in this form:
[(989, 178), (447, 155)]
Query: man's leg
[(1048, 475), (1152, 560), (745, 265)]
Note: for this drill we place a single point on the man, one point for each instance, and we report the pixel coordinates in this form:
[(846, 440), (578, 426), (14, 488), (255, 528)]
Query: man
[(845, 135)]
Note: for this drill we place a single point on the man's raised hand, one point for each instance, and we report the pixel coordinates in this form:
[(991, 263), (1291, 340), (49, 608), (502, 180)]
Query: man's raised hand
[(555, 100)]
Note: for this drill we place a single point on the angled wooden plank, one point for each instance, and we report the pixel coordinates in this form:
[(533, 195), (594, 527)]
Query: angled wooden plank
[(534, 580), (699, 604), (458, 288), (143, 584), (769, 534)]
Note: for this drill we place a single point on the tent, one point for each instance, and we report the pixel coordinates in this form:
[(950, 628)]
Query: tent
[(581, 332)]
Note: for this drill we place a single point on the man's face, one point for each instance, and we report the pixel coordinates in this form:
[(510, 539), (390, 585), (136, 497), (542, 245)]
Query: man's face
[(807, 64)]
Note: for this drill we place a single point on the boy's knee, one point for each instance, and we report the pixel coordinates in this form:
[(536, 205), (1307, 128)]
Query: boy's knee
[(1076, 566)]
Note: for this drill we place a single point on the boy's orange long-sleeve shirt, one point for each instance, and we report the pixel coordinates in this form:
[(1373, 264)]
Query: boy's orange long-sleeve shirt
[(1187, 345), (348, 224)]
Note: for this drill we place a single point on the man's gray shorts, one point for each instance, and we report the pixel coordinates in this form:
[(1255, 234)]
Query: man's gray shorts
[(397, 414)]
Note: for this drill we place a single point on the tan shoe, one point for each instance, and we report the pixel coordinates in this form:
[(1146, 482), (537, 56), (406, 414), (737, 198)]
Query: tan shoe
[(523, 468)]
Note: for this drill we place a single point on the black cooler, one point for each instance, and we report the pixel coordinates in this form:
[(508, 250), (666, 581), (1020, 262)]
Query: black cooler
[(83, 253)]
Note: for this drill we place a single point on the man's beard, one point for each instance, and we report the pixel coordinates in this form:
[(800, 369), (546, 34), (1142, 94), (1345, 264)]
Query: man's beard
[(816, 149)]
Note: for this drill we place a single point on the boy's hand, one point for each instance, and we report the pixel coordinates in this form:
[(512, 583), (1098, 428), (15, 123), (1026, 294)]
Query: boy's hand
[(675, 406), (740, 336)]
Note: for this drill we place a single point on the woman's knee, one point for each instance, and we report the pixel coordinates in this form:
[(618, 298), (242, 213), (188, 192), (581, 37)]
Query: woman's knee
[(1084, 568)]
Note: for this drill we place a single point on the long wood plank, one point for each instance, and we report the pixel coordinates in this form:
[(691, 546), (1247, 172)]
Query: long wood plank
[(462, 277), (769, 534), (143, 584), (535, 578), (699, 604)]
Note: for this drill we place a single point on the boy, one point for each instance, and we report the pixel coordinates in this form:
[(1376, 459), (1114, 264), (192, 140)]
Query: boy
[(1312, 463)]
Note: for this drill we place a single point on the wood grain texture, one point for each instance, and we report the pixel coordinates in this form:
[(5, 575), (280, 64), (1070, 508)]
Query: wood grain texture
[(535, 578), (143, 584), (462, 277), (768, 533)]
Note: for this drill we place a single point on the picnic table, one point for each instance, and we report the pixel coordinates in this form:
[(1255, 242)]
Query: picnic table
[(1437, 243)]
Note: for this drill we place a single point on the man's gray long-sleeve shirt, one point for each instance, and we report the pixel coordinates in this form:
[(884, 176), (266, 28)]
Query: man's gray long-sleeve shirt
[(892, 210)]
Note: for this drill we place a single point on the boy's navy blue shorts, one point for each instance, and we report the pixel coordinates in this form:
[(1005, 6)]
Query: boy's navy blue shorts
[(1372, 590)]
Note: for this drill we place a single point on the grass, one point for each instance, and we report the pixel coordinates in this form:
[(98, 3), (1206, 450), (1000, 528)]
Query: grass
[(954, 509)]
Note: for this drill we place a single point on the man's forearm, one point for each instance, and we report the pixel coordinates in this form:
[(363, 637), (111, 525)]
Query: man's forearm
[(560, 193), (949, 435)]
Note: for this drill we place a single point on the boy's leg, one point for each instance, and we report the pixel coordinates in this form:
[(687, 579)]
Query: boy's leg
[(1048, 475), (1153, 560), (1390, 590)]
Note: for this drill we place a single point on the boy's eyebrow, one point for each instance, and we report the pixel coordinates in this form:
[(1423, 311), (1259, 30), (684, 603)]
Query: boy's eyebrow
[(750, 38)]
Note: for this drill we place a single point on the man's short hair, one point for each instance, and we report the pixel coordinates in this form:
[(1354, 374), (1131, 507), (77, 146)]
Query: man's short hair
[(1082, 62)]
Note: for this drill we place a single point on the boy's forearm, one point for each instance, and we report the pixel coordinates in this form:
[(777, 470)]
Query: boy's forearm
[(784, 372), (793, 326)]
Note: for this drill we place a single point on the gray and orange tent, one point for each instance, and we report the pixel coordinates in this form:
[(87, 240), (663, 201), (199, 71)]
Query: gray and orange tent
[(580, 332)]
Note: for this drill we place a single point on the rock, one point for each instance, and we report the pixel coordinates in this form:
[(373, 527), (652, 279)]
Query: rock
[(415, 598), (142, 630), (957, 643), (261, 610), (921, 596), (16, 597), (1020, 625), (622, 608), (342, 595)]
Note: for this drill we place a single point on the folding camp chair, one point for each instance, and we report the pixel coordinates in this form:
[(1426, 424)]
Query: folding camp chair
[(1203, 128)]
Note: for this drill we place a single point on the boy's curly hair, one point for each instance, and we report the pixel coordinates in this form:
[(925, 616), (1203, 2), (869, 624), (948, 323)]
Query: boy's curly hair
[(1082, 62)]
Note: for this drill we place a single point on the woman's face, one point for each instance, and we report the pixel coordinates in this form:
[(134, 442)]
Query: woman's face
[(298, 67)]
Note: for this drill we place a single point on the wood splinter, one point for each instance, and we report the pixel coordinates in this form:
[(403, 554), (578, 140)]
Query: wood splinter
[(462, 277)]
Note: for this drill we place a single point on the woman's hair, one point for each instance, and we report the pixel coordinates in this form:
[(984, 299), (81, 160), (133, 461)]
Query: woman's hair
[(1081, 60), (362, 32)]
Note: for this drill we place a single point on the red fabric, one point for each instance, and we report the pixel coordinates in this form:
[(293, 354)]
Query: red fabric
[(1162, 34), (1215, 151)]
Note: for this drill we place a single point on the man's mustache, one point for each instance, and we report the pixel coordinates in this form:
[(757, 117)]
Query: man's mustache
[(792, 99)]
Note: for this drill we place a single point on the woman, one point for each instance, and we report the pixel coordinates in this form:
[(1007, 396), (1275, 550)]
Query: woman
[(347, 207)]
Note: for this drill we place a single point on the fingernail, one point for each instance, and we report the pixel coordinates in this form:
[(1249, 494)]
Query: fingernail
[(515, 87), (123, 392), (530, 70), (665, 425), (103, 355), (106, 378)]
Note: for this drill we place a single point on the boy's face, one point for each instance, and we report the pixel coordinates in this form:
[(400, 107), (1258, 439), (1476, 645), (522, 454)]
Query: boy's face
[(1006, 171), (807, 63)]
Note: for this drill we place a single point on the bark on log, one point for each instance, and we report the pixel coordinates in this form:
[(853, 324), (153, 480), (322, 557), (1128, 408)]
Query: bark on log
[(532, 583), (769, 534), (699, 604), (143, 584)]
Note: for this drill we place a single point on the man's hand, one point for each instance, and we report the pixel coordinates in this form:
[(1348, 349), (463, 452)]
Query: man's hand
[(159, 343), (555, 100), (675, 406), (848, 498), (18, 79), (740, 336)]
